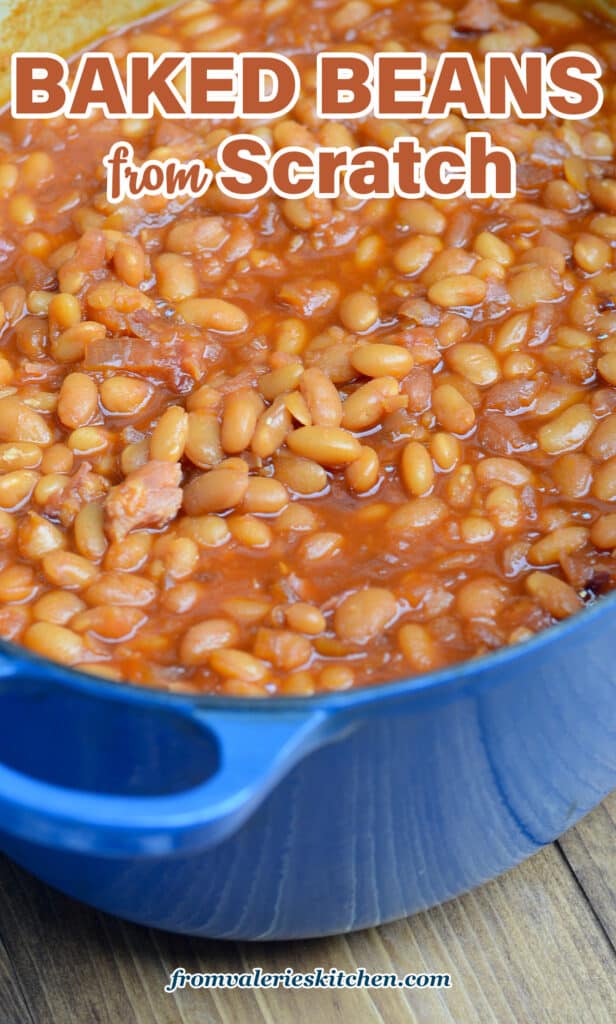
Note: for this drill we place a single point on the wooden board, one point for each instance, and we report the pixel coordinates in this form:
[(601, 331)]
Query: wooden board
[(536, 945)]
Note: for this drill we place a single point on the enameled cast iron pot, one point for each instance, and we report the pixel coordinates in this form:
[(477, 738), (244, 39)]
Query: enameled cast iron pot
[(301, 817), (286, 818)]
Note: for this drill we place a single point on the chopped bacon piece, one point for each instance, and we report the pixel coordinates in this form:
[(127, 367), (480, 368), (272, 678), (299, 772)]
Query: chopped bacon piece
[(178, 355), (479, 16), (83, 488), (149, 496), (244, 379), (310, 297)]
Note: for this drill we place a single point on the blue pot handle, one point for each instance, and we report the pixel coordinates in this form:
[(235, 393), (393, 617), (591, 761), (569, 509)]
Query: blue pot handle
[(256, 749)]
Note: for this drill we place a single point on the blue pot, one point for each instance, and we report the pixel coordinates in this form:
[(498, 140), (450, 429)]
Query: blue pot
[(285, 818)]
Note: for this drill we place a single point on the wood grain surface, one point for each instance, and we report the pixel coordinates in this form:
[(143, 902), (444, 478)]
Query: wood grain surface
[(536, 946)]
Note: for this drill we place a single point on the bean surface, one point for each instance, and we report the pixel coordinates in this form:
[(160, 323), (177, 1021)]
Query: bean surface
[(275, 446)]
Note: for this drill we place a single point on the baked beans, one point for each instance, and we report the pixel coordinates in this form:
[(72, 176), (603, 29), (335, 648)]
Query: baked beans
[(283, 446)]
